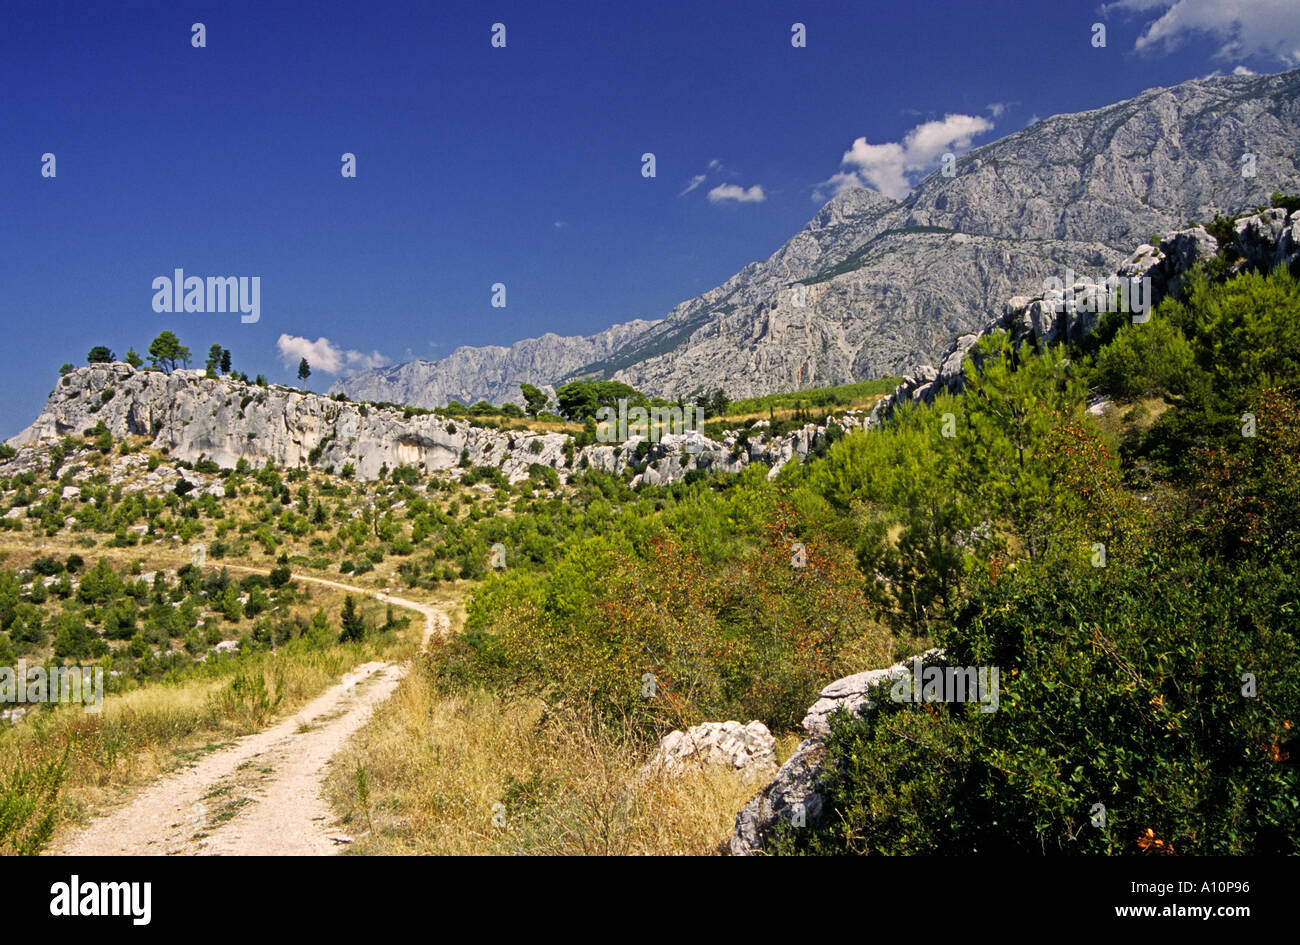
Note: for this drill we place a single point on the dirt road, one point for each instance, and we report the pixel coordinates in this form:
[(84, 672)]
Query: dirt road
[(263, 795)]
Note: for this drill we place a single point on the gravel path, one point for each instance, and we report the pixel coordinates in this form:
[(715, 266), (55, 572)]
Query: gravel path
[(263, 795)]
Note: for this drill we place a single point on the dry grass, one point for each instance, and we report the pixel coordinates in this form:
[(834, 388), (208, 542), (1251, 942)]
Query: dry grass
[(144, 732), (1131, 418), (476, 773), (788, 413)]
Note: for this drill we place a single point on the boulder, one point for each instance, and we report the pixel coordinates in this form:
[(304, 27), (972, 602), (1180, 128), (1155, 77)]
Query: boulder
[(850, 693), (744, 748)]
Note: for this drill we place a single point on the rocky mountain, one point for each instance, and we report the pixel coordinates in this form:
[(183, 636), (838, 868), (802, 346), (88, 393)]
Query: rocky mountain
[(889, 283), (492, 373)]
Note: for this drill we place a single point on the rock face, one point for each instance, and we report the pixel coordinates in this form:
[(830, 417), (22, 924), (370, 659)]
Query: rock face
[(222, 419), (744, 748), (889, 283), (1261, 241), (792, 796)]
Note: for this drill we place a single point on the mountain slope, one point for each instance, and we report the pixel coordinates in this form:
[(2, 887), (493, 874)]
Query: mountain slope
[(890, 283), (1073, 191), (492, 372)]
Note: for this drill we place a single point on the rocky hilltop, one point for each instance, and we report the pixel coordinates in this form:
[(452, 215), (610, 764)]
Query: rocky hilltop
[(222, 419), (889, 283)]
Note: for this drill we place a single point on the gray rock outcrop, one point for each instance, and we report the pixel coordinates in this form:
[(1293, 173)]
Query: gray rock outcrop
[(223, 419), (793, 796), (747, 749), (1261, 241)]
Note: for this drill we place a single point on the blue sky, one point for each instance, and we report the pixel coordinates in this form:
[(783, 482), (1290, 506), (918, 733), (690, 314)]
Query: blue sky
[(477, 165)]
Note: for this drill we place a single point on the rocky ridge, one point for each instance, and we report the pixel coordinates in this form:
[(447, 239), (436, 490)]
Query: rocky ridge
[(223, 419), (1260, 241), (195, 417)]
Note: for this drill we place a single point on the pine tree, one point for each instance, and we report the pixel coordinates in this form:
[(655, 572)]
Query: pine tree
[(167, 352), (1014, 397), (534, 399), (354, 628)]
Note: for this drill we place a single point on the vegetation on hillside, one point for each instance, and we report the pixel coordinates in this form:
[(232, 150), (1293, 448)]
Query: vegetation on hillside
[(1132, 576), (1130, 570), (1143, 616)]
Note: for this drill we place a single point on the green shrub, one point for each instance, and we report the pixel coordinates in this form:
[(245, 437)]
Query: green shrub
[(1146, 360), (29, 805), (756, 639), (47, 565), (1129, 696)]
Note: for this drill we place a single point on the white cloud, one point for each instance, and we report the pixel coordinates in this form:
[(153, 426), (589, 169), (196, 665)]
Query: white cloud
[(324, 355), (722, 171), (559, 224), (1239, 70), (890, 167), (695, 182), (737, 193), (996, 108), (1269, 28), (838, 183), (879, 166)]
